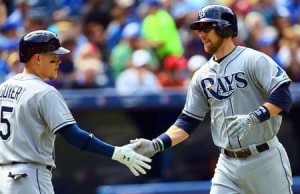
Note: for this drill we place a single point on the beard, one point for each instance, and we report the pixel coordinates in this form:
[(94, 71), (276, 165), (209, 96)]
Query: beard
[(213, 47)]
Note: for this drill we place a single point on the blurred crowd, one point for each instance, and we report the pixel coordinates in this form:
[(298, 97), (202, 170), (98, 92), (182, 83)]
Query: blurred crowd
[(140, 46)]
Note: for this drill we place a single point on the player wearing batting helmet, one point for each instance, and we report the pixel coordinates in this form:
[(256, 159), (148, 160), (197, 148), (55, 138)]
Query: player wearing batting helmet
[(246, 93), (33, 112)]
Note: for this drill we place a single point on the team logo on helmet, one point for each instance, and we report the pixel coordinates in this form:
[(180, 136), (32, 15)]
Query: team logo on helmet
[(201, 14)]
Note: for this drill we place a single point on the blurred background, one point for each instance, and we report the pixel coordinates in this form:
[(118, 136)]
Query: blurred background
[(127, 75)]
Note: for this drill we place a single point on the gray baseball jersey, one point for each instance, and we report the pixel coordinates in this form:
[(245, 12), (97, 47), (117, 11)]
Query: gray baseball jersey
[(238, 85), (31, 112)]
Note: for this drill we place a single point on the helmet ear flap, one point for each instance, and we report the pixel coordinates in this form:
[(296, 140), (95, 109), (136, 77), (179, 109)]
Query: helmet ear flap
[(224, 30)]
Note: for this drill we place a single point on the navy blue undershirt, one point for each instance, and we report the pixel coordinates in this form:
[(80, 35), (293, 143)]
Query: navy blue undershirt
[(82, 140), (281, 97)]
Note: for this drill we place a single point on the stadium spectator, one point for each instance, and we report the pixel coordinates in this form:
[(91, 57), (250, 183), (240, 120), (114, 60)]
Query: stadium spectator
[(65, 9), (14, 65), (90, 74), (173, 72), (3, 12), (67, 71), (181, 13), (289, 52), (282, 19), (131, 41), (138, 79), (294, 8), (7, 46), (121, 16), (35, 20), (70, 28), (16, 18), (267, 8), (98, 11), (266, 43), (95, 33), (193, 64), (160, 30), (91, 71), (254, 20)]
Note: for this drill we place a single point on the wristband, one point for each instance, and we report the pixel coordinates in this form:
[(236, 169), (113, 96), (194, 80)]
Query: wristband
[(156, 145), (162, 142), (260, 115)]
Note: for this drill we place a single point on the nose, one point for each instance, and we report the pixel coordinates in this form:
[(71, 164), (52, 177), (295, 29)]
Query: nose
[(202, 34)]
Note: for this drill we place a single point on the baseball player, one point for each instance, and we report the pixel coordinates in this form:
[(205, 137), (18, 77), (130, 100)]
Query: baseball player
[(246, 93), (33, 112)]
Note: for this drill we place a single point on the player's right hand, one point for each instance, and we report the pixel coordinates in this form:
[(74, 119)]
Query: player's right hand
[(238, 125), (135, 162), (145, 147)]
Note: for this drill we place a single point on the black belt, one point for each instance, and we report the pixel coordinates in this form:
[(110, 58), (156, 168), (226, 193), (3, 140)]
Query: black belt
[(245, 152), (13, 163)]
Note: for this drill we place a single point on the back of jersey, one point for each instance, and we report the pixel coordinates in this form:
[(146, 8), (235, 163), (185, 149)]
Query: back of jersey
[(24, 134)]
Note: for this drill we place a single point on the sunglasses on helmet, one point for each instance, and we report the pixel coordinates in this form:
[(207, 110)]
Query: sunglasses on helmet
[(206, 27)]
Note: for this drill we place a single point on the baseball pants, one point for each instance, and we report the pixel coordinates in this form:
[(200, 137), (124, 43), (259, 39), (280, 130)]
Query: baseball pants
[(25, 179), (268, 172)]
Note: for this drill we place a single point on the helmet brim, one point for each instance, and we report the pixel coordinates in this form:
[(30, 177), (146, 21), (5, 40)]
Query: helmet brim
[(195, 25), (60, 51)]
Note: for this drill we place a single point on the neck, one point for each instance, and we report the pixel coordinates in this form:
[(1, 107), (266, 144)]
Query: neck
[(28, 70), (226, 48)]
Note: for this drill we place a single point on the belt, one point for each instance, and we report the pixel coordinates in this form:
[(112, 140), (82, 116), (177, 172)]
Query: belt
[(50, 168), (245, 152)]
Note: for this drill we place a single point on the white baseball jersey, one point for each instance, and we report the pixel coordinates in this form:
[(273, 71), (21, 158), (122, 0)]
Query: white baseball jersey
[(238, 85), (31, 111)]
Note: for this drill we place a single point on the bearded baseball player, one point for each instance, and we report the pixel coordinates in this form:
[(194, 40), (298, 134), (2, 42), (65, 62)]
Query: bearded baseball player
[(33, 112), (246, 93)]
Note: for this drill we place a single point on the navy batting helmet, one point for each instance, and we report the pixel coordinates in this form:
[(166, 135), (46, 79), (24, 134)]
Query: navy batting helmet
[(39, 41), (223, 16)]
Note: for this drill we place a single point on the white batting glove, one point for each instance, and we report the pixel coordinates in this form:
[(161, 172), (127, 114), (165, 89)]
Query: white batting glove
[(134, 161), (239, 125), (145, 147)]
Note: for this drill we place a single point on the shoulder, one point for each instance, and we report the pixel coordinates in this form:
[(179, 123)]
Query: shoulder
[(250, 52), (201, 73), (203, 69)]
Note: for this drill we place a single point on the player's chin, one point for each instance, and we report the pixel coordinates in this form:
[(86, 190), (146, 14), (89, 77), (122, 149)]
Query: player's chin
[(53, 77), (208, 50)]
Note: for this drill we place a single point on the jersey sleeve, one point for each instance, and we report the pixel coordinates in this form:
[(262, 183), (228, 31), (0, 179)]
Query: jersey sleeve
[(55, 111), (196, 105), (268, 74)]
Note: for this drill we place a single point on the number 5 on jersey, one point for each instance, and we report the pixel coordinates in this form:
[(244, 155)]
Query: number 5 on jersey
[(5, 124)]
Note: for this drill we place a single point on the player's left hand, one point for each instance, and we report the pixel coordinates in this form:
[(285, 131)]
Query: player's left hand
[(145, 147), (238, 125), (135, 162)]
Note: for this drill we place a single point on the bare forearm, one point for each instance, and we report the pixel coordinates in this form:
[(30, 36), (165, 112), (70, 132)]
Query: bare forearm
[(176, 134), (273, 109)]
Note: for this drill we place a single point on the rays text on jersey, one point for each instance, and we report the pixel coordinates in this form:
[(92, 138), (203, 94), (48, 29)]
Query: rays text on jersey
[(9, 91), (223, 87)]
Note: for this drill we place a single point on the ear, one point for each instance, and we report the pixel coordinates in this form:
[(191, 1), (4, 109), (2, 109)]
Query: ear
[(36, 57)]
